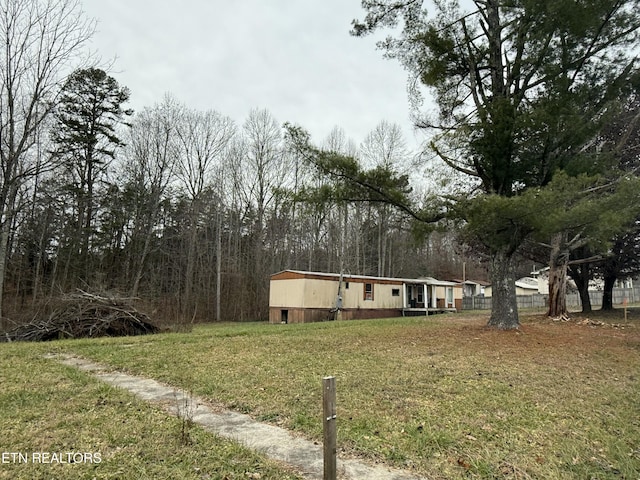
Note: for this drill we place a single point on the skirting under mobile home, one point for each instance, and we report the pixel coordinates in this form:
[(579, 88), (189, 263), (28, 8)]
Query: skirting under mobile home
[(301, 297)]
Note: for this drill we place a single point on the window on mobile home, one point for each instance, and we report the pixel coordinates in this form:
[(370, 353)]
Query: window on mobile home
[(368, 291)]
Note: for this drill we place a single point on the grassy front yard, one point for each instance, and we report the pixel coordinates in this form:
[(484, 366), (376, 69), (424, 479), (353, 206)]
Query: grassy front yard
[(59, 423), (444, 396)]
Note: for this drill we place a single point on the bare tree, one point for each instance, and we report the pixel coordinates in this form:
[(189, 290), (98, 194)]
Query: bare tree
[(151, 157), (262, 169), (40, 40), (264, 166), (337, 141), (385, 147), (203, 138)]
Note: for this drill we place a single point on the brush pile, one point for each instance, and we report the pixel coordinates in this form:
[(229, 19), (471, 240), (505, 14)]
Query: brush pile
[(84, 315)]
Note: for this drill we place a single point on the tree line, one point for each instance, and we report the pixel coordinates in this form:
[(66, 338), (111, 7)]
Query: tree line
[(535, 142), (186, 209)]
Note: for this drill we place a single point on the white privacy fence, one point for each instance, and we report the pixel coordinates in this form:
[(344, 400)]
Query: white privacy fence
[(540, 301)]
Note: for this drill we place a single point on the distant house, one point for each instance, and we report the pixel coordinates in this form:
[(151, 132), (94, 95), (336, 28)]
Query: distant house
[(298, 296), (596, 284), (472, 288), (524, 286)]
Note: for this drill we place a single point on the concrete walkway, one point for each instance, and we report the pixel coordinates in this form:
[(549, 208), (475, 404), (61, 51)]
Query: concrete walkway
[(274, 442)]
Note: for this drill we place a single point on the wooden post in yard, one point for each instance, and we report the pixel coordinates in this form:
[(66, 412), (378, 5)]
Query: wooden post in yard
[(329, 427)]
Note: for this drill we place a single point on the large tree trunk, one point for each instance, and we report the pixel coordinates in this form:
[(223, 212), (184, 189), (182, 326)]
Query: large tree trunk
[(557, 292), (558, 276), (580, 275), (504, 309), (607, 293), (585, 298)]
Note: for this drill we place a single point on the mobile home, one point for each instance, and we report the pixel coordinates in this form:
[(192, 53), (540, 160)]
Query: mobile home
[(298, 296)]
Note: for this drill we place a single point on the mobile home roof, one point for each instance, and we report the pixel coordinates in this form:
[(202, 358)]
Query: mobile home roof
[(292, 274)]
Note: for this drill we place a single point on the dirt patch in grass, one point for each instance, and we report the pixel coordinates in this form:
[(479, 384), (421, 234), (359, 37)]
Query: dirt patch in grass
[(445, 396)]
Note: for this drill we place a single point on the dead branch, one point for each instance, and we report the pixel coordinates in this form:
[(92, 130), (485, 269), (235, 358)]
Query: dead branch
[(85, 315)]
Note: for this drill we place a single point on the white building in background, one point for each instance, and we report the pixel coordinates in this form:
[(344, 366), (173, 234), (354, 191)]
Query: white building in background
[(542, 278), (524, 286)]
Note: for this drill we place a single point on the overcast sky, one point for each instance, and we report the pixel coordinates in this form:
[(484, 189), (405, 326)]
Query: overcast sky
[(292, 57)]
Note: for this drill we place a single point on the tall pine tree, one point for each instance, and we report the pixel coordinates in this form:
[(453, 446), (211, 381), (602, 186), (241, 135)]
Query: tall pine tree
[(86, 137)]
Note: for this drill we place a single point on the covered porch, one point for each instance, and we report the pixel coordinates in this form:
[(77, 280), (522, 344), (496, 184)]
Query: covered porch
[(427, 296)]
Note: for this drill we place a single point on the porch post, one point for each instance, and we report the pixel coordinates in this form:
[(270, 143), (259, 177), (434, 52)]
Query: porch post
[(404, 297)]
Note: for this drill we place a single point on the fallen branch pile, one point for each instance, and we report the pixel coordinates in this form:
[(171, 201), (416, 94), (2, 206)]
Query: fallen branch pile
[(85, 315)]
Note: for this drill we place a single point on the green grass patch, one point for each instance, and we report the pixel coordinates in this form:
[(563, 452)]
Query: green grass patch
[(444, 396), (58, 422)]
